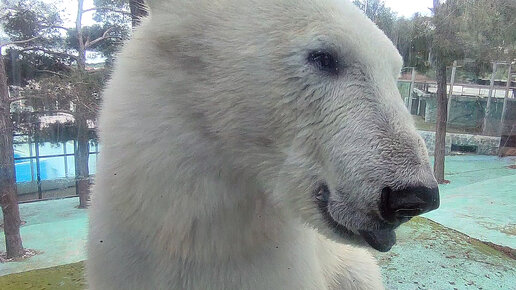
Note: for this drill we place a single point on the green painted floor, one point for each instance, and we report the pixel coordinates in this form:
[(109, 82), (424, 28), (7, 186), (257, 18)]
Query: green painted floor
[(56, 228), (480, 199), (430, 256), (427, 256), (480, 202)]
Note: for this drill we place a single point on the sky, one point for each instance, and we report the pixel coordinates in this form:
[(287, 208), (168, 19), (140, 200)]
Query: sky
[(407, 8), (70, 11)]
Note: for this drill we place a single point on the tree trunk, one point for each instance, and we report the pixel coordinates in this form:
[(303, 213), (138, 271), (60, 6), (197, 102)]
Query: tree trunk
[(440, 129), (442, 107), (138, 11), (82, 173), (81, 59), (8, 198)]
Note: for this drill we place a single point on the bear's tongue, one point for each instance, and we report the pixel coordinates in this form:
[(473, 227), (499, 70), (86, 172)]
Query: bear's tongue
[(381, 240)]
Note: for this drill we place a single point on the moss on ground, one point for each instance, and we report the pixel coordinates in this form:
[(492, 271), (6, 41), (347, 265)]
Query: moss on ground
[(69, 277), (459, 238), (418, 231)]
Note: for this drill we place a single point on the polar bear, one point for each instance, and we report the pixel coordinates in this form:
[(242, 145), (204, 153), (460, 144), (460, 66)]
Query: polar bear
[(253, 144)]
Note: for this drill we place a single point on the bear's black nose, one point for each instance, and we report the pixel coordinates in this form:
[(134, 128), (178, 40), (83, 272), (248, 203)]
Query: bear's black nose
[(401, 205)]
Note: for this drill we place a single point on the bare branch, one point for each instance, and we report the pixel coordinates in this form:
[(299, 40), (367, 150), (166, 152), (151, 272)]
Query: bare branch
[(79, 102), (105, 35), (20, 41), (50, 112), (58, 27), (86, 44), (52, 72), (18, 99), (111, 9), (33, 38), (62, 54), (54, 111), (12, 100)]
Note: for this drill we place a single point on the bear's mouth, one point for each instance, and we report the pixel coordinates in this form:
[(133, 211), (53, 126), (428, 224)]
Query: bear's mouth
[(381, 240)]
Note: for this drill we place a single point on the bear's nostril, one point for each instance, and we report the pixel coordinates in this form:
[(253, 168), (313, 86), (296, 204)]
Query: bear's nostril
[(401, 205)]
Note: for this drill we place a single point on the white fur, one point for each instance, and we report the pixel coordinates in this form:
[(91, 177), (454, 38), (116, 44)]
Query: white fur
[(215, 133)]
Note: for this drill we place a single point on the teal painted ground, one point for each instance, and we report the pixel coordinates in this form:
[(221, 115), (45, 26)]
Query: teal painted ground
[(430, 256), (55, 228), (480, 201)]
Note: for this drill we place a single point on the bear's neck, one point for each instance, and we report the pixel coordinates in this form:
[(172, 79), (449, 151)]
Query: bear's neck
[(223, 220), (202, 205)]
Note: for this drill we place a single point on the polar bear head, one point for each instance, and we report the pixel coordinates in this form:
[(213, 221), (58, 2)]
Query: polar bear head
[(302, 95)]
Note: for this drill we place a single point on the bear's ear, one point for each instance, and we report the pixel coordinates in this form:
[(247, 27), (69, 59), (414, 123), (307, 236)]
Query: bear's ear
[(180, 8), (156, 5), (153, 5)]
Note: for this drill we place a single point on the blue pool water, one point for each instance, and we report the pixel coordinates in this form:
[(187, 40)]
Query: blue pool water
[(50, 166)]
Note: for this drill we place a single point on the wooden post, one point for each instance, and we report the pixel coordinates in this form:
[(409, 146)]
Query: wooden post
[(38, 165), (452, 83), (485, 128), (418, 106), (31, 160), (65, 159), (412, 82), (507, 89)]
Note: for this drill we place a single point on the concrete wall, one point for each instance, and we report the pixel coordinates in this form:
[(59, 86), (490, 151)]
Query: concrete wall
[(486, 145)]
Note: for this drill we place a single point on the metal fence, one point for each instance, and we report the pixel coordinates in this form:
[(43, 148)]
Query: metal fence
[(476, 109), (46, 170)]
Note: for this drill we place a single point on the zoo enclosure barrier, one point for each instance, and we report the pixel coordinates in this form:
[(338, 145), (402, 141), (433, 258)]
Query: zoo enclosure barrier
[(467, 104), (46, 170), (493, 101)]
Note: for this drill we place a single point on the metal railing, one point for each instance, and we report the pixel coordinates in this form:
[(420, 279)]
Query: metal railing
[(31, 173)]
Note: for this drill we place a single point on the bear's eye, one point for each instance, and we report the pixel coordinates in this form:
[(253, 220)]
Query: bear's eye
[(324, 61)]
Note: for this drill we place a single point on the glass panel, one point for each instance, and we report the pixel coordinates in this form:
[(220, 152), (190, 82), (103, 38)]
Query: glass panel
[(93, 146), (70, 149), (52, 168), (70, 161), (92, 164), (48, 148), (25, 170)]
